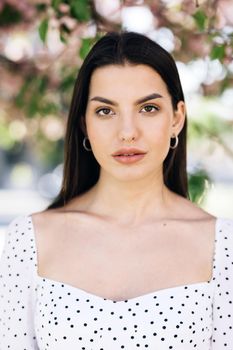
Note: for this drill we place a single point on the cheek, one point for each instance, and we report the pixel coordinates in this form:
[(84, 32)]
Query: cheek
[(92, 130), (98, 137), (100, 141), (159, 133), (159, 139), (99, 132)]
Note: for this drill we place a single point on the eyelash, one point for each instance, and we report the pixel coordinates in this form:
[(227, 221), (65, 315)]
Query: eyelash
[(106, 108)]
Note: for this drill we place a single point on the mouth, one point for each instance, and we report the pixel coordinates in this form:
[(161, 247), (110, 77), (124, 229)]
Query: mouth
[(128, 158), (127, 154)]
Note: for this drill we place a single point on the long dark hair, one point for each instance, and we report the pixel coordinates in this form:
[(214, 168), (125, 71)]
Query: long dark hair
[(81, 170)]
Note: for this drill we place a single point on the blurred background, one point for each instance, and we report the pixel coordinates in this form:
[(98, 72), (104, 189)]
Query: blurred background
[(42, 45)]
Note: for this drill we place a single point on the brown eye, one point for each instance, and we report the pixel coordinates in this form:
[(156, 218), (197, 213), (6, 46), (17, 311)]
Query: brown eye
[(103, 111), (150, 108)]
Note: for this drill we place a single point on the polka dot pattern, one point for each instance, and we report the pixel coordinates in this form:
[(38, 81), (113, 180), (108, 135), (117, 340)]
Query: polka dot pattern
[(39, 313)]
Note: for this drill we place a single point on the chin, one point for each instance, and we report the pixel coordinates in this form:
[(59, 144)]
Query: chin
[(129, 175)]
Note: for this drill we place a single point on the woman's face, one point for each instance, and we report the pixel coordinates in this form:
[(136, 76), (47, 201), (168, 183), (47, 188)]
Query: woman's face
[(129, 107)]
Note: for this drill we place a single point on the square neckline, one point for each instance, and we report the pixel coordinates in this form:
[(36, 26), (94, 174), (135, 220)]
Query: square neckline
[(133, 299)]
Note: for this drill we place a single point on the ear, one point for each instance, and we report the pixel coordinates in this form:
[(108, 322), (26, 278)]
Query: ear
[(178, 118), (83, 125)]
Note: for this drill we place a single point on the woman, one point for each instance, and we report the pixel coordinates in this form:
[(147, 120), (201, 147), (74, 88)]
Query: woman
[(122, 258)]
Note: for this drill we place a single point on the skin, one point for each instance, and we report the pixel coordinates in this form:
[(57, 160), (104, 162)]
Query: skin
[(138, 189), (129, 219)]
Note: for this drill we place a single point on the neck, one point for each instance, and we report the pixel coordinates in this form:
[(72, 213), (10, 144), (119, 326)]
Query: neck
[(131, 202)]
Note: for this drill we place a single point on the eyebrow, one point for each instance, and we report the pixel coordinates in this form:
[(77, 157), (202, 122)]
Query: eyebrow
[(140, 100)]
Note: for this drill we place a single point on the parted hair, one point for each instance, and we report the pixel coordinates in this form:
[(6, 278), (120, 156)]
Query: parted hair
[(81, 169)]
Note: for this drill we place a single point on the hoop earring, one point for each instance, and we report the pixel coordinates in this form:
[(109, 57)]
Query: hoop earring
[(84, 144), (176, 143)]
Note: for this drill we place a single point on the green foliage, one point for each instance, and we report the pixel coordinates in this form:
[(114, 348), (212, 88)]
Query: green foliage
[(32, 97), (64, 33), (68, 81), (41, 7), (63, 37), (80, 9), (206, 127), (9, 15), (37, 100), (200, 19), (6, 141), (43, 29), (218, 52), (85, 47), (50, 152), (87, 44), (198, 184), (56, 3)]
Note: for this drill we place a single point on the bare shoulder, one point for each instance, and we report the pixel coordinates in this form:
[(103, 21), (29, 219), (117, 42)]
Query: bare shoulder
[(200, 227), (47, 225), (195, 220), (185, 208), (41, 220)]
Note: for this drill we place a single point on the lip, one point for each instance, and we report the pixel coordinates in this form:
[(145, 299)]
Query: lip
[(135, 155), (131, 150), (129, 159)]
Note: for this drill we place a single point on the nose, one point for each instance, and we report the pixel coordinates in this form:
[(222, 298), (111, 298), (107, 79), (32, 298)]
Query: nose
[(128, 130)]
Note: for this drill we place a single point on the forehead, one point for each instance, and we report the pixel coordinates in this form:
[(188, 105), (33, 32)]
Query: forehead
[(126, 79)]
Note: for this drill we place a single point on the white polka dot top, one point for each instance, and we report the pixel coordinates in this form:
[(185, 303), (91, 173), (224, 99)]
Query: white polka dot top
[(40, 313)]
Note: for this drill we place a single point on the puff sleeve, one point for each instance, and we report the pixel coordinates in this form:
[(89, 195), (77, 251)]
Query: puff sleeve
[(222, 333), (17, 287)]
